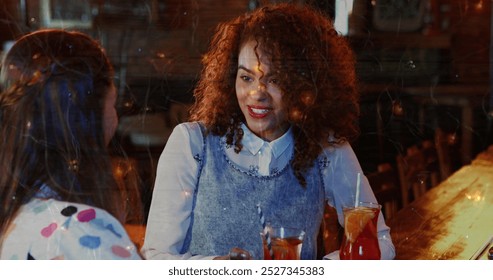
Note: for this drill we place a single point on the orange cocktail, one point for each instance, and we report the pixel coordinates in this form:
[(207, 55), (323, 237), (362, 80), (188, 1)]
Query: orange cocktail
[(285, 242), (360, 241)]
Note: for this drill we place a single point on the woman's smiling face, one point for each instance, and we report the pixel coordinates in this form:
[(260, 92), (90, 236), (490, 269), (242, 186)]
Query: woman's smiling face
[(259, 95)]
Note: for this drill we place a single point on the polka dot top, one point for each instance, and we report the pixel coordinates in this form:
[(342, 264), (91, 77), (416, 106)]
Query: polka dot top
[(50, 229)]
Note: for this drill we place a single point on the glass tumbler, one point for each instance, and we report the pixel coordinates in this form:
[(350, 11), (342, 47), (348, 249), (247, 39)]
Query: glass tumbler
[(286, 243), (360, 240)]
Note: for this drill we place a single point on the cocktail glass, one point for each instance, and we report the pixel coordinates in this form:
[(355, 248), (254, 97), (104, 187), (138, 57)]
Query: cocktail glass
[(286, 243), (360, 240)]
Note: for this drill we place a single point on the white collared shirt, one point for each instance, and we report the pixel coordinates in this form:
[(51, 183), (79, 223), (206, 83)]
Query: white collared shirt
[(260, 156)]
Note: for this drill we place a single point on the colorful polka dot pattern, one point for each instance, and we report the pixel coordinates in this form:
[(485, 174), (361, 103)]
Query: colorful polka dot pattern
[(48, 230), (87, 216)]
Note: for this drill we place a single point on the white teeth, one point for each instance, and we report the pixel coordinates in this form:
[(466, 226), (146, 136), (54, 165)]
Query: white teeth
[(260, 111)]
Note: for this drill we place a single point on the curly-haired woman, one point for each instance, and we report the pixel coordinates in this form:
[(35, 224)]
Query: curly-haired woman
[(275, 110)]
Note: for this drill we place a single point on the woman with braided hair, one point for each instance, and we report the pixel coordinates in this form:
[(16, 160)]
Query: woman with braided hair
[(275, 110)]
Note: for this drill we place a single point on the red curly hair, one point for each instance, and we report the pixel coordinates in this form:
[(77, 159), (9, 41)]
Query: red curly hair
[(315, 67)]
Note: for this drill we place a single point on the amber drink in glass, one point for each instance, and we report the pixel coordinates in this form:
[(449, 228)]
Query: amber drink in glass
[(360, 240), (286, 243)]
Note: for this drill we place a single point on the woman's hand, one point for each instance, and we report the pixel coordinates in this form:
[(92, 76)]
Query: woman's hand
[(235, 254)]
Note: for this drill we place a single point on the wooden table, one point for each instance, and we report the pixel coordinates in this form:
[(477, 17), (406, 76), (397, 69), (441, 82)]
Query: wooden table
[(451, 221)]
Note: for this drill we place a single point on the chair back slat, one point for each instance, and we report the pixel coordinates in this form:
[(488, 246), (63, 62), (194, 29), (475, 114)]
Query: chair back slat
[(330, 234), (385, 186), (419, 170)]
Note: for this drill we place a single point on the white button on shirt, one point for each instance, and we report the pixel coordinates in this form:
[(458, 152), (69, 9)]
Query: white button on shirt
[(178, 173)]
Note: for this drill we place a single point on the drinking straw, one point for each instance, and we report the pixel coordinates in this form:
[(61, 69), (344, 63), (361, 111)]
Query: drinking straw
[(358, 183), (266, 232)]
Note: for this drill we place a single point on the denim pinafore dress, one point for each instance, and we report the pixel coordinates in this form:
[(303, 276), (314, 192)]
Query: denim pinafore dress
[(225, 205)]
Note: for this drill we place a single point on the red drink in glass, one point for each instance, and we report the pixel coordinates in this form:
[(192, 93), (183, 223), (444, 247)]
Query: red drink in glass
[(285, 242), (284, 249), (360, 240)]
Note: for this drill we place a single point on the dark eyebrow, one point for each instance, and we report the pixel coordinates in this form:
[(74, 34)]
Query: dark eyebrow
[(253, 73), (246, 69)]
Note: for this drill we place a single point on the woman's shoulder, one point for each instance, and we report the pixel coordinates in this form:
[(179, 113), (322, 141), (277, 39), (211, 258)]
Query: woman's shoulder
[(192, 133), (67, 230), (191, 127)]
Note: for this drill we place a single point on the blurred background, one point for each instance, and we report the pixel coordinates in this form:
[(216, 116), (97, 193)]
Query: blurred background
[(424, 67)]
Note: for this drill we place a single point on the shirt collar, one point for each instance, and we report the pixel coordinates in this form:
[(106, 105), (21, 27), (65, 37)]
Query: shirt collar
[(253, 143)]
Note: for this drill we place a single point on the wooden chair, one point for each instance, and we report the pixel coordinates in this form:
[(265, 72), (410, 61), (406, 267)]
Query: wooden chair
[(385, 186), (448, 151), (431, 164), (129, 184), (128, 181), (137, 233), (330, 234), (419, 170)]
